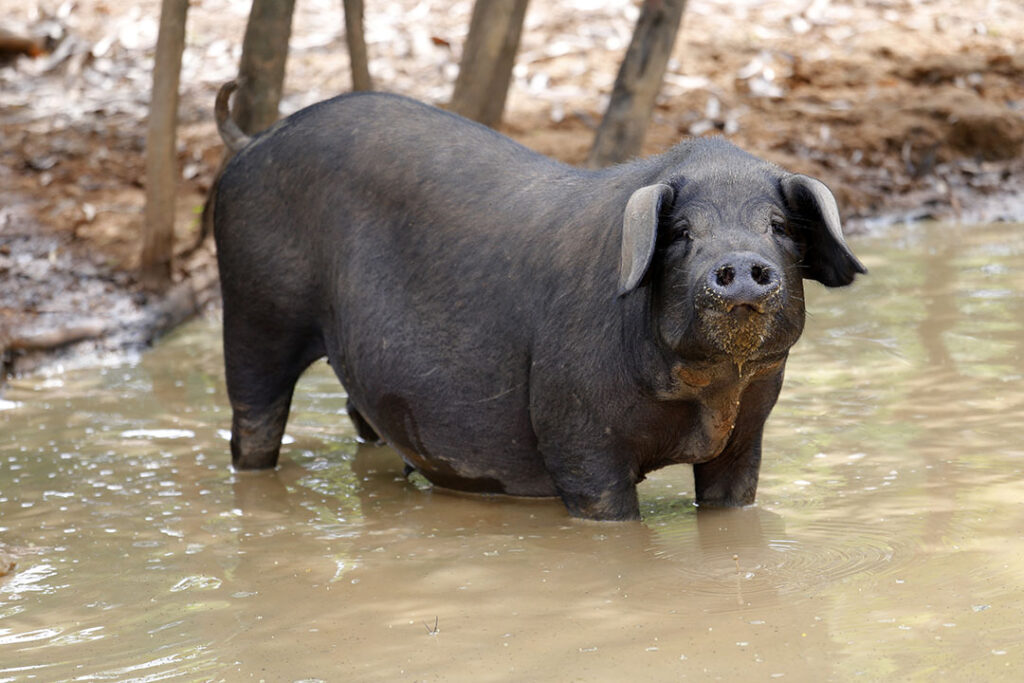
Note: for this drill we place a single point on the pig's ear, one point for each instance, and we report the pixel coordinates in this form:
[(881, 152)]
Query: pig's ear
[(640, 233), (827, 258)]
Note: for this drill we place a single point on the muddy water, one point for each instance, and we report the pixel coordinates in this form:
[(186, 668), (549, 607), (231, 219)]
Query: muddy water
[(888, 541)]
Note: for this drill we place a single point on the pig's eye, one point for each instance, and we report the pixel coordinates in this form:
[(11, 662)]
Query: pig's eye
[(681, 230), (779, 226)]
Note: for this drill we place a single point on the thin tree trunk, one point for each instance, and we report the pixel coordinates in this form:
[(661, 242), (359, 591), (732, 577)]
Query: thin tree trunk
[(622, 130), (161, 155), (261, 71), (485, 70), (356, 40)]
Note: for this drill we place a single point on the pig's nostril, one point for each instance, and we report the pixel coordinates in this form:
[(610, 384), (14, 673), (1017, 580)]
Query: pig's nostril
[(745, 282), (762, 275)]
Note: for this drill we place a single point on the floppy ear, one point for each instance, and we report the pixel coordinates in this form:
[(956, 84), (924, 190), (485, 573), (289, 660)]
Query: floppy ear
[(826, 259), (639, 233)]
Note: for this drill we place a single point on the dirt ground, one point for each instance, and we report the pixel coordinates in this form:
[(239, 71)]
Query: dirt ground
[(908, 109)]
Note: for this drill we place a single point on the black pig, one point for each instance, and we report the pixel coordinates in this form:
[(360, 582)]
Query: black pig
[(510, 324)]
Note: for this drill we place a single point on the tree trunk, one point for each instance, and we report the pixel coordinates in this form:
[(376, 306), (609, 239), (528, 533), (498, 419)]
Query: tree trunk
[(161, 155), (261, 71), (485, 70), (622, 130), (356, 40)]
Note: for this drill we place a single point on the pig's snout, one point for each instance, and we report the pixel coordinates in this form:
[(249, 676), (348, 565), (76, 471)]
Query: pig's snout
[(743, 280)]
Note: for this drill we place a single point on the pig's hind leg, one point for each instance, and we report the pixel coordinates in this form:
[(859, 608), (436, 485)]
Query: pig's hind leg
[(263, 362)]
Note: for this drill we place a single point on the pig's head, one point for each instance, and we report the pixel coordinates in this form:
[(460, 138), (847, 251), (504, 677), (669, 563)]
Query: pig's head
[(722, 246)]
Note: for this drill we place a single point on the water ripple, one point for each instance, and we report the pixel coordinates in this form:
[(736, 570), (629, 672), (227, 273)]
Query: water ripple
[(757, 559)]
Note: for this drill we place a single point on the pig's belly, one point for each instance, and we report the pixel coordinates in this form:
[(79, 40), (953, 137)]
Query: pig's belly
[(461, 437)]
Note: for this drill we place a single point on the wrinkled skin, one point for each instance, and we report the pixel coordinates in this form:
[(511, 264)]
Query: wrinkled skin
[(510, 324)]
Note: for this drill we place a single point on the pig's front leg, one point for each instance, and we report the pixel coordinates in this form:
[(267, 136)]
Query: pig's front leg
[(730, 480), (596, 486)]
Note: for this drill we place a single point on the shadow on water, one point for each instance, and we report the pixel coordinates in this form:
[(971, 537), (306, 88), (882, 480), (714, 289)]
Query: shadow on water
[(886, 541)]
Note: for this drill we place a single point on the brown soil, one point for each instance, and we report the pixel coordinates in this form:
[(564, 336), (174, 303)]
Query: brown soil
[(907, 108)]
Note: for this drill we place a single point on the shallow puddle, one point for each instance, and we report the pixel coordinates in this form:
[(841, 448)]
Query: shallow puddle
[(888, 539)]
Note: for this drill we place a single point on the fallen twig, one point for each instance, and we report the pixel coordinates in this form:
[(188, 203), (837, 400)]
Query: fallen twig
[(52, 339)]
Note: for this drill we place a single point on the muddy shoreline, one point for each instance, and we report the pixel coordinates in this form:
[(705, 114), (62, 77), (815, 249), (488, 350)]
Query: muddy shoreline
[(64, 310)]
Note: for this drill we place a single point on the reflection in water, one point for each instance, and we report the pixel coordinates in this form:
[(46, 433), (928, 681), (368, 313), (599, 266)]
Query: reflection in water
[(886, 542)]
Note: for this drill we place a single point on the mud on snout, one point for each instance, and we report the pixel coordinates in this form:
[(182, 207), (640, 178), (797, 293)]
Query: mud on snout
[(738, 300)]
